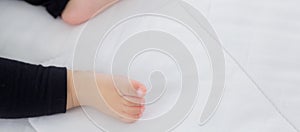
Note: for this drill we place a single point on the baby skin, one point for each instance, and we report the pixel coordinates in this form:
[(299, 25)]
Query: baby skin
[(115, 96), (79, 11)]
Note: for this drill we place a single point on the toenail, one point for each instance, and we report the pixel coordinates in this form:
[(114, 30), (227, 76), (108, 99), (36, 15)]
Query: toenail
[(140, 92)]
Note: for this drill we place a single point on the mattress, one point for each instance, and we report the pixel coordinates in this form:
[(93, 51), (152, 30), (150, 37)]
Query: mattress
[(259, 40)]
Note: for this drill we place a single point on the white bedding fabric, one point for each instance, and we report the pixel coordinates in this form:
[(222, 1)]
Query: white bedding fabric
[(263, 35)]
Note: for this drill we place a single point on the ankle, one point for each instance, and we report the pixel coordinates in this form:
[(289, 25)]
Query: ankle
[(72, 100)]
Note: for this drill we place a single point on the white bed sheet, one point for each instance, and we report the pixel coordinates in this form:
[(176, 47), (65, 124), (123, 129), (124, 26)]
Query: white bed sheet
[(262, 35)]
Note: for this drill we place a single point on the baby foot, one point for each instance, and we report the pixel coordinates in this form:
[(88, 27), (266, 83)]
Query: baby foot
[(120, 98), (79, 11), (123, 97)]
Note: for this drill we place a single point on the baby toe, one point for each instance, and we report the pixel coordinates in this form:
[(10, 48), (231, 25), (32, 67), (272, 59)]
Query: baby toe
[(133, 110), (133, 101)]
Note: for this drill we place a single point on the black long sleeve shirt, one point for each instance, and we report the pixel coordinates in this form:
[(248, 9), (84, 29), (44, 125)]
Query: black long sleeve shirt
[(28, 90), (54, 7)]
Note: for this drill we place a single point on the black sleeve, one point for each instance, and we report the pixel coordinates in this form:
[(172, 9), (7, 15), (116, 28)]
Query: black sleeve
[(54, 7), (31, 90)]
